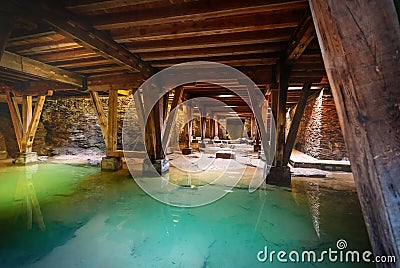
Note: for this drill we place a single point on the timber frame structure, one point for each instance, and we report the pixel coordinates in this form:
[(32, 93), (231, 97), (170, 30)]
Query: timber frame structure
[(289, 48)]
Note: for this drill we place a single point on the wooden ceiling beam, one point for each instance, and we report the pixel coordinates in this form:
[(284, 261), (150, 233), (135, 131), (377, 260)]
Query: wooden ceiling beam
[(119, 79), (240, 60), (71, 26), (74, 54), (191, 11), (33, 38), (224, 25), (211, 52), (83, 62), (94, 5), (14, 62), (219, 40), (44, 47), (301, 38)]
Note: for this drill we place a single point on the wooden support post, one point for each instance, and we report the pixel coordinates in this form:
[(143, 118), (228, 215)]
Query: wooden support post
[(137, 98), (112, 129), (169, 124), (187, 132), (157, 114), (100, 114), (363, 66), (294, 127), (6, 26), (281, 112), (216, 126), (252, 127), (15, 102), (203, 128), (153, 131), (16, 119), (26, 112), (212, 126), (165, 105), (280, 174), (29, 136)]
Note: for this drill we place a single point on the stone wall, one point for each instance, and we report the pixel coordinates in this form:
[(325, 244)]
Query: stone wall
[(67, 126), (68, 123), (319, 133), (72, 123)]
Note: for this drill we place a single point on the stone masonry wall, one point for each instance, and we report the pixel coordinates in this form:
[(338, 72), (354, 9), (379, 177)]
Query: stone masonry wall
[(66, 126), (72, 123), (319, 133)]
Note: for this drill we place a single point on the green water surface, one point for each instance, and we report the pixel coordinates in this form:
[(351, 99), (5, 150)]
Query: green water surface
[(58, 215)]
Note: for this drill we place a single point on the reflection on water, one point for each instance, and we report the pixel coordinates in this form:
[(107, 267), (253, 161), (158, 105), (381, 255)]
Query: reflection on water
[(98, 219), (313, 195), (25, 195)]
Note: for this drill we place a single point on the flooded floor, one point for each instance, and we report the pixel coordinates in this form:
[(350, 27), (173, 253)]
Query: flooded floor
[(59, 215)]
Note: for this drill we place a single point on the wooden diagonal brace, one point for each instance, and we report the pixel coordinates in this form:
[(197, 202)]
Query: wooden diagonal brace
[(16, 119), (29, 136), (100, 114)]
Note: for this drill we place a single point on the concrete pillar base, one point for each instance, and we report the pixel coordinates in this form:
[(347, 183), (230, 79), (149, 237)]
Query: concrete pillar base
[(279, 176), (26, 158), (110, 163), (257, 147), (186, 151), (160, 165)]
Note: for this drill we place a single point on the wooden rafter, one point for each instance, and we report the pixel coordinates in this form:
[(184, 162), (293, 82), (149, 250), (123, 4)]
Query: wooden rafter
[(92, 5), (218, 40), (193, 11), (212, 52), (240, 24), (84, 34)]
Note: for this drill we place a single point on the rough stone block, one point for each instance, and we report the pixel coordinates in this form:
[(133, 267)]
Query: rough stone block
[(187, 151), (26, 158), (279, 176), (111, 163), (160, 166)]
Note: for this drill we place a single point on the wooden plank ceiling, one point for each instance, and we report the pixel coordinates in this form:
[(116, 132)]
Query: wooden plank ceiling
[(119, 43)]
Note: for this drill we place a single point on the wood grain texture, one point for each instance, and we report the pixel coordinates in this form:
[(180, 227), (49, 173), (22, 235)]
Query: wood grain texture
[(360, 43)]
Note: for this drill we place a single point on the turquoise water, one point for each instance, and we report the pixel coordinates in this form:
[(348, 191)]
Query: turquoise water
[(57, 215)]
